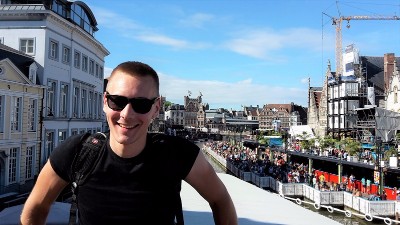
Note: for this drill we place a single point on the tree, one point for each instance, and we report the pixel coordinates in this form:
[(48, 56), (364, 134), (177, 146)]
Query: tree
[(167, 104), (327, 142), (305, 143), (389, 153), (350, 146)]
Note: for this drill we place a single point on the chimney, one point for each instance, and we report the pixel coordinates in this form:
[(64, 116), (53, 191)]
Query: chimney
[(388, 69)]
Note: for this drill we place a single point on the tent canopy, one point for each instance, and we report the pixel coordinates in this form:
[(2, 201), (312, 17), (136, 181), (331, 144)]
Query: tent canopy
[(301, 132)]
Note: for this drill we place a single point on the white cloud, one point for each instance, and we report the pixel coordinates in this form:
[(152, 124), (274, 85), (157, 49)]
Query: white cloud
[(197, 20), (304, 80), (115, 21), (163, 40), (230, 95), (266, 43), (130, 29), (107, 71)]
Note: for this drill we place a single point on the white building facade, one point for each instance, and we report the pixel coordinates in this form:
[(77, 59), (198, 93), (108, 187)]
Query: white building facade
[(59, 36)]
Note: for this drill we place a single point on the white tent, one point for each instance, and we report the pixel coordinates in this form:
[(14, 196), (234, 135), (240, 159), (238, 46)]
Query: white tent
[(301, 131)]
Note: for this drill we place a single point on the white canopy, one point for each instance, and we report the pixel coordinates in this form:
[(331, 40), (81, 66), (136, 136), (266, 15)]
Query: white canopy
[(301, 132)]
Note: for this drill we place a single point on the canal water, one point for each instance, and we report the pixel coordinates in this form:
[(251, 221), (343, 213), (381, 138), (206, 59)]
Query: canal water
[(337, 216)]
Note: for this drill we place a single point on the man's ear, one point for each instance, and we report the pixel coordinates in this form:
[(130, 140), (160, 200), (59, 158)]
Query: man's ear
[(158, 107)]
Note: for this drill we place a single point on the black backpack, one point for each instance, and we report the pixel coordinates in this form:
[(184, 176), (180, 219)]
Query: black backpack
[(83, 165)]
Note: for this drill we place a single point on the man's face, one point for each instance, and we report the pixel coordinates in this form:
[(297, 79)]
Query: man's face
[(126, 125)]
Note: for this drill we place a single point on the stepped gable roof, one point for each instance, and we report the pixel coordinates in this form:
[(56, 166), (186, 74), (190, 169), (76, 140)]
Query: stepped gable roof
[(21, 60), (316, 93)]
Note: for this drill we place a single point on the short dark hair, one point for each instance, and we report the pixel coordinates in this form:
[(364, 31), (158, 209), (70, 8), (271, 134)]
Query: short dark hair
[(135, 68)]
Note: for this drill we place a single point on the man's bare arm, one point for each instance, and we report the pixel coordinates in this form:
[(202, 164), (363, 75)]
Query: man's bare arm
[(203, 178), (46, 190)]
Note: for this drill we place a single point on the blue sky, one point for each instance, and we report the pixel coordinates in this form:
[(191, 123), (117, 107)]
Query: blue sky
[(240, 52)]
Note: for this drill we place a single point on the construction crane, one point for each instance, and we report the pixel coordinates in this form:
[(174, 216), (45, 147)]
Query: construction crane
[(337, 21)]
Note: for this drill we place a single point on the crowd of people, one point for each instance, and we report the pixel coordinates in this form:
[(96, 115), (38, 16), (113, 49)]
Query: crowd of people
[(262, 162), (265, 162)]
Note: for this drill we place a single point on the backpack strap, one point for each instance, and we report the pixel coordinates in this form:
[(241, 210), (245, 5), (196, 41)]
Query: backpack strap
[(83, 165), (178, 209)]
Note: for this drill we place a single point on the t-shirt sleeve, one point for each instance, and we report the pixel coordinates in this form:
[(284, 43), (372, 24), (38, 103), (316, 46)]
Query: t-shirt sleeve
[(63, 155), (187, 155)]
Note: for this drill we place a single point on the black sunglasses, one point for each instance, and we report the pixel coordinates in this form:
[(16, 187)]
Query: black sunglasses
[(139, 105)]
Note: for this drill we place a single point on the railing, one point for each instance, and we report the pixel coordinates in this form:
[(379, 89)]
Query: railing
[(370, 208)]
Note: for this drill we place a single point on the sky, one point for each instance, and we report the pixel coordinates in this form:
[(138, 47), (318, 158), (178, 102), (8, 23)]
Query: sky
[(241, 52)]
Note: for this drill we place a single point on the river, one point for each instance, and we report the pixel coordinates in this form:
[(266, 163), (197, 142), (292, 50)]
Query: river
[(337, 216)]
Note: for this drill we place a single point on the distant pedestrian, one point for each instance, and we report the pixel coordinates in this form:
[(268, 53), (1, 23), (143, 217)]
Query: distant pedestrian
[(363, 185), (368, 186)]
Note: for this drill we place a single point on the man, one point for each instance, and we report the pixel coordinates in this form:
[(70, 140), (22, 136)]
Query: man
[(135, 179)]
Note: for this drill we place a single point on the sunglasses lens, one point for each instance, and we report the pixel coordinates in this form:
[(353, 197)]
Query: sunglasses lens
[(117, 102), (141, 106)]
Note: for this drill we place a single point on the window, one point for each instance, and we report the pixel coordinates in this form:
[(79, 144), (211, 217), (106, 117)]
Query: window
[(2, 40), (49, 143), (101, 73), (62, 135), (91, 105), (84, 63), (99, 106), (53, 50), (97, 70), (82, 130), (12, 169), (83, 103), (16, 103), (51, 97), (66, 55), (74, 132), (2, 107), (32, 114), (75, 102), (30, 152), (27, 45), (395, 92), (63, 99), (80, 17), (91, 66), (32, 72), (95, 108), (77, 59)]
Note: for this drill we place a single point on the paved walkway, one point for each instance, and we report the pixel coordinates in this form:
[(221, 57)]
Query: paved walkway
[(254, 206)]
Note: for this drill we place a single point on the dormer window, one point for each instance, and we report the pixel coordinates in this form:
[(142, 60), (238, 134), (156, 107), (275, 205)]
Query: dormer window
[(32, 72)]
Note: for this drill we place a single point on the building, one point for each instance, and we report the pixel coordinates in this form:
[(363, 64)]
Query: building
[(252, 112), (317, 107), (364, 84), (281, 116), (175, 116), (59, 35), (20, 122), (192, 107)]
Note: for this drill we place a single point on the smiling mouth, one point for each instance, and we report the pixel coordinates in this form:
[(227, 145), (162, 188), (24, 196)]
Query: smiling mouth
[(126, 126)]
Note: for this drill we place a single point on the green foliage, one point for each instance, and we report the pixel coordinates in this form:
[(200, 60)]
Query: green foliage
[(327, 142), (389, 153), (167, 104), (351, 146)]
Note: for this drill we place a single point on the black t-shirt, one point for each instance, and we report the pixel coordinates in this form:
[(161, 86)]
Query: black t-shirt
[(137, 190)]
